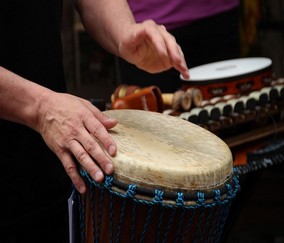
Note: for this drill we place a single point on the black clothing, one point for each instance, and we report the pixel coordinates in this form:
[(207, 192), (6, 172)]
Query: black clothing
[(208, 40), (34, 186)]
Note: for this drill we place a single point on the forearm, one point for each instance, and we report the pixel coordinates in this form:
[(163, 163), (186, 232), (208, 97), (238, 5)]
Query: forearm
[(147, 45), (106, 21), (19, 98)]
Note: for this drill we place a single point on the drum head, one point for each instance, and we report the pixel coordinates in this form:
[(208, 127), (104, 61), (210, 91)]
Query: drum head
[(162, 151), (228, 69)]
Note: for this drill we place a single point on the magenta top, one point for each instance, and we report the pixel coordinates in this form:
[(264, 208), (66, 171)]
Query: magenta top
[(176, 13)]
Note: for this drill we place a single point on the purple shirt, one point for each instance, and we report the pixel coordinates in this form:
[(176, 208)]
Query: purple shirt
[(176, 13)]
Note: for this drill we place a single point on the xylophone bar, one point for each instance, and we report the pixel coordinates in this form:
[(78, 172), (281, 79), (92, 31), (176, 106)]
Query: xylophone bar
[(255, 107)]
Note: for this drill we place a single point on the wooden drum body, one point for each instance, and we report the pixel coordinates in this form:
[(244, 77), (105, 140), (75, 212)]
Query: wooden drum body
[(173, 182)]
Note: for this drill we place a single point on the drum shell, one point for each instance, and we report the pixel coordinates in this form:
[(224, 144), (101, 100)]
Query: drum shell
[(103, 221)]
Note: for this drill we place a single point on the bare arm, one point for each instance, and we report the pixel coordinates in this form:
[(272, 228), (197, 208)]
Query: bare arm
[(147, 45), (18, 98), (104, 23), (70, 126)]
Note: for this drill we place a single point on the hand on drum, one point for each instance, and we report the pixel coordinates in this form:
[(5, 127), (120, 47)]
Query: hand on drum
[(150, 47), (73, 128)]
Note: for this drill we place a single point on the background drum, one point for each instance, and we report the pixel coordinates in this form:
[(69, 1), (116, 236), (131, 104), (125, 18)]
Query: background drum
[(236, 76), (173, 182)]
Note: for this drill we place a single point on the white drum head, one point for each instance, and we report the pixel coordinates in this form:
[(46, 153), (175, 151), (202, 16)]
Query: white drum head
[(161, 151), (228, 68)]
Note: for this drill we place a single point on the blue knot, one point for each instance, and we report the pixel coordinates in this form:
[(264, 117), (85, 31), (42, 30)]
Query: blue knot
[(83, 173), (131, 191), (180, 199), (158, 196), (200, 199), (217, 195), (108, 181), (236, 181), (230, 191), (235, 170)]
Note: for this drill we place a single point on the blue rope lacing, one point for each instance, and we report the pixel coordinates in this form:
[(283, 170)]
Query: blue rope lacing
[(183, 214)]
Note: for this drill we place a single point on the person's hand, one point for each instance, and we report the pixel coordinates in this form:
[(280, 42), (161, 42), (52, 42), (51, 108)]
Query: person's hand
[(150, 47), (74, 129)]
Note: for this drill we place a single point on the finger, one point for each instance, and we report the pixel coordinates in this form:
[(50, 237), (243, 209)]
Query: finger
[(85, 160), (107, 121), (71, 169), (182, 67), (175, 53), (157, 41), (97, 130), (167, 48), (87, 149), (146, 32), (143, 31)]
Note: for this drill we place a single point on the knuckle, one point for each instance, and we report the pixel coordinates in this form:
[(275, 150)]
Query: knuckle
[(102, 116), (82, 155), (90, 146), (150, 22), (173, 38), (76, 180), (98, 128), (70, 170), (74, 131)]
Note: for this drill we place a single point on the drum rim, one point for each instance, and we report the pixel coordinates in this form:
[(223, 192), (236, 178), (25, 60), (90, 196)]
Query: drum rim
[(194, 199)]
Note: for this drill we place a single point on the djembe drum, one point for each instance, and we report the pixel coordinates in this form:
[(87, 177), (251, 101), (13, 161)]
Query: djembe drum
[(173, 182)]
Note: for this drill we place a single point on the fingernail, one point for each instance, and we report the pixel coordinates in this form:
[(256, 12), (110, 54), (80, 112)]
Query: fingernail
[(111, 149), (109, 168), (109, 117), (82, 189), (186, 76), (98, 176)]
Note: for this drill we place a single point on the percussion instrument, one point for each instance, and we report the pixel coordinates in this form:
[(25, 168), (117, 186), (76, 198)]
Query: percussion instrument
[(235, 76), (175, 100), (135, 97), (149, 99), (249, 110), (183, 100), (173, 182), (123, 90)]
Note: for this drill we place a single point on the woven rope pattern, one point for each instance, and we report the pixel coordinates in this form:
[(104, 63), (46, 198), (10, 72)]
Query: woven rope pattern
[(160, 222)]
